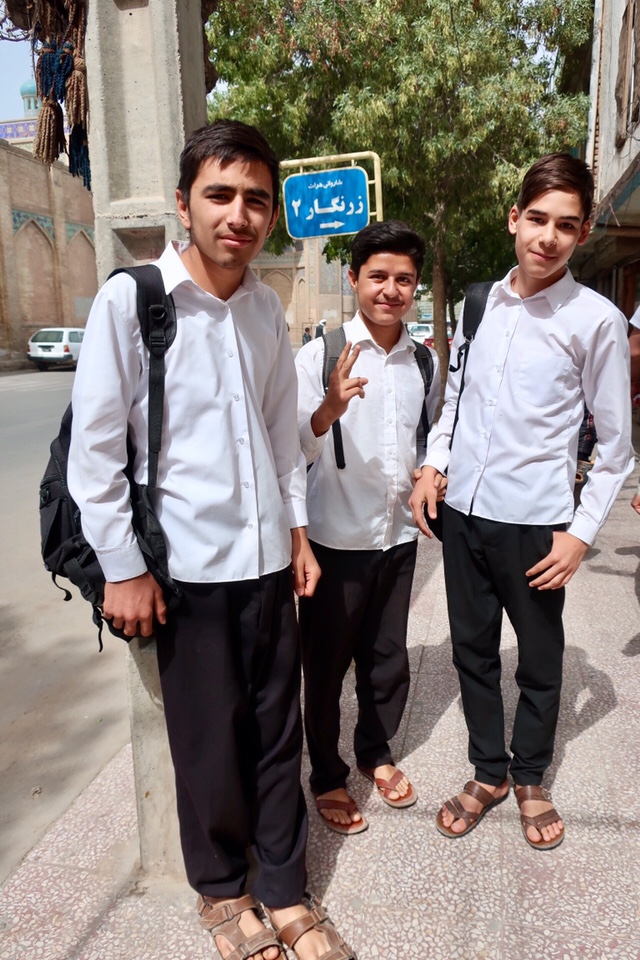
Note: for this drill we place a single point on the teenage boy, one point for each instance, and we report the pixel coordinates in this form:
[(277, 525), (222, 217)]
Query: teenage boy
[(231, 500), (545, 347), (360, 523)]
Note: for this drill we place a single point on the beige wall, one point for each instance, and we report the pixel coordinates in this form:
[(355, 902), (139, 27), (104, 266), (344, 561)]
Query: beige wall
[(47, 257)]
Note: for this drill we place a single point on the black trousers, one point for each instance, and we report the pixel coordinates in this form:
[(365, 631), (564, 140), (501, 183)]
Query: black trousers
[(230, 672), (485, 564), (359, 612)]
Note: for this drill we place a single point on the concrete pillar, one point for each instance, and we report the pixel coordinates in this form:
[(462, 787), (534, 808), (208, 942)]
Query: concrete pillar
[(146, 92), (160, 852), (145, 74)]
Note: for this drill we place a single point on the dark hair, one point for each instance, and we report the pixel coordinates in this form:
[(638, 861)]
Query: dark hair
[(558, 171), (225, 141), (389, 236)]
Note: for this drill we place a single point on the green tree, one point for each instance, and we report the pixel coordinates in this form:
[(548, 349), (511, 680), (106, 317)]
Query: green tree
[(456, 96)]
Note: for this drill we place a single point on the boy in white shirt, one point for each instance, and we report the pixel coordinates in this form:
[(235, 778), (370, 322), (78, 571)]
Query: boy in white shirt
[(360, 523), (545, 347), (230, 496)]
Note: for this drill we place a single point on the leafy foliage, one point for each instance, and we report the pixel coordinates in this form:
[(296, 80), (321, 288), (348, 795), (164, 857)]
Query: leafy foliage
[(457, 97)]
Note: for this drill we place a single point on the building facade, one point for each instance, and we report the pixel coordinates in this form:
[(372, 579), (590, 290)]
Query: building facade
[(47, 255), (610, 260)]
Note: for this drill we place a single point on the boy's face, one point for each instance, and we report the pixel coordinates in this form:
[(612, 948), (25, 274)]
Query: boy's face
[(231, 212), (547, 232), (385, 287)]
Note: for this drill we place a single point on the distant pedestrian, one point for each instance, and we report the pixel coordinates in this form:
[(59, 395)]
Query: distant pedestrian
[(306, 336), (320, 329), (546, 347)]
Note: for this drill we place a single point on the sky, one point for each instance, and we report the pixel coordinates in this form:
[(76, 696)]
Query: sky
[(15, 68)]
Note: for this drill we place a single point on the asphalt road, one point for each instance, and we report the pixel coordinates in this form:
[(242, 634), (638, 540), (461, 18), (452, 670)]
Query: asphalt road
[(63, 706)]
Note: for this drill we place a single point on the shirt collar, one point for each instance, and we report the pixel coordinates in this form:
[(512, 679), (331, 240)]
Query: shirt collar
[(174, 272), (555, 295), (359, 334)]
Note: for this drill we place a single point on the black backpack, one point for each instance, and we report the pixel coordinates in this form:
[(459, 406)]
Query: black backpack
[(65, 551)]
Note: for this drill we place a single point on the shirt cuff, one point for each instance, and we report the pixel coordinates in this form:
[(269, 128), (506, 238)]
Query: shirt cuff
[(311, 445), (296, 511), (121, 564), (584, 529), (439, 461)]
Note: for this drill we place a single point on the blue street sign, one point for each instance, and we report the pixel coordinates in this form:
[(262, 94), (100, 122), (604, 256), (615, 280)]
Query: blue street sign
[(327, 203)]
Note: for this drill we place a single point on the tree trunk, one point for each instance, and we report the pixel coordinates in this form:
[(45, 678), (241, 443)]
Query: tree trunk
[(441, 342)]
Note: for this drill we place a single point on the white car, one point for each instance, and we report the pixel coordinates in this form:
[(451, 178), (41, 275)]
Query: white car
[(55, 346)]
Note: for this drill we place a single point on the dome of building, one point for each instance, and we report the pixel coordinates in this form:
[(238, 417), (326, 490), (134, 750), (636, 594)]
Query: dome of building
[(29, 94), (29, 89)]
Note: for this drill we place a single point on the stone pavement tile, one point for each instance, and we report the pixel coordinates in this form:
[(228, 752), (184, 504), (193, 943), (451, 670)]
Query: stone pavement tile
[(588, 885), (523, 943), (48, 911), (406, 932), (151, 921), (101, 825), (51, 904)]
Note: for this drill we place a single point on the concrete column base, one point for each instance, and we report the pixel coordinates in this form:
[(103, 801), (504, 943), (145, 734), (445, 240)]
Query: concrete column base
[(160, 851)]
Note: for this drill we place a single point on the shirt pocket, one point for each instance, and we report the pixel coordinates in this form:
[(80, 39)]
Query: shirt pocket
[(541, 380)]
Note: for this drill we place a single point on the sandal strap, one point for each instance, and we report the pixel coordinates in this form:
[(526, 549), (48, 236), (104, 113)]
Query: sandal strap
[(534, 791), (223, 920), (349, 805), (456, 810), (473, 789), (316, 919), (531, 791), (542, 819), (388, 785), (213, 914)]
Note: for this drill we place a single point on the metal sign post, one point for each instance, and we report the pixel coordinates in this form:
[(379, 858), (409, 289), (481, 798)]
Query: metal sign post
[(330, 202)]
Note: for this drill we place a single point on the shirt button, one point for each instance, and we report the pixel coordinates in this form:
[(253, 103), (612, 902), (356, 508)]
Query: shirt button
[(477, 469), (485, 435), (250, 526), (491, 402), (245, 485), (499, 369), (241, 440), (389, 420), (229, 353), (236, 396)]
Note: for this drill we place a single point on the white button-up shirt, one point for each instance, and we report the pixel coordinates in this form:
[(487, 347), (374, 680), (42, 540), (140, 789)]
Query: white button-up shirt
[(366, 505), (231, 476), (532, 366)]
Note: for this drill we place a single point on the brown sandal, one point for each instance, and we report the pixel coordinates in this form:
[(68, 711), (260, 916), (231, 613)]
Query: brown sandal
[(351, 807), (455, 808), (223, 920), (385, 787), (536, 792), (316, 919)]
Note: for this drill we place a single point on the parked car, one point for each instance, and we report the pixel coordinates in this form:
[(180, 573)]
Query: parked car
[(420, 331), (55, 346), (425, 332)]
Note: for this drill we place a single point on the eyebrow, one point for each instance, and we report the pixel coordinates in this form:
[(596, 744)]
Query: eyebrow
[(543, 213), (253, 192)]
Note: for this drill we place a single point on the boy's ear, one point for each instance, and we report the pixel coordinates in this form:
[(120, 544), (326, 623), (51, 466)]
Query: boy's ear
[(274, 219), (183, 210), (585, 230), (353, 279), (514, 216)]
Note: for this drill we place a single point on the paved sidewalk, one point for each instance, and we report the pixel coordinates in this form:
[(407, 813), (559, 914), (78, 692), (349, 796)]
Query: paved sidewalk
[(400, 891)]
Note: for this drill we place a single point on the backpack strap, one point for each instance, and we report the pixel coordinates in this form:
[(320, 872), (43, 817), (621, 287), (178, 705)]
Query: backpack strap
[(334, 343), (475, 302), (157, 316), (424, 359)]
